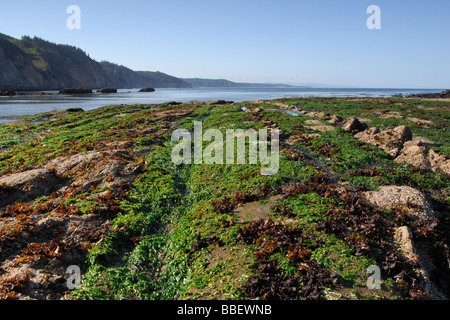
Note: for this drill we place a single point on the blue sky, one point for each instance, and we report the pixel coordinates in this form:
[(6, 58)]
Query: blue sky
[(289, 41)]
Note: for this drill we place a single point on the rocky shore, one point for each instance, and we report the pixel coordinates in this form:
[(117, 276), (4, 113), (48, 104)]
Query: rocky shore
[(362, 182), (7, 93), (65, 91), (442, 95)]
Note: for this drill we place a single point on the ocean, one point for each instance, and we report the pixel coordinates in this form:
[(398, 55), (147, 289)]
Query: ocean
[(13, 108)]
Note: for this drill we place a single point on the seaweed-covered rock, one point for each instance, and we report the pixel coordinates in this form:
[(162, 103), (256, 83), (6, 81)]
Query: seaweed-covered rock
[(403, 239), (27, 185)]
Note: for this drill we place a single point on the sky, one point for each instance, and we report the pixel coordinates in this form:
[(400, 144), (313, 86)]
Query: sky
[(277, 41)]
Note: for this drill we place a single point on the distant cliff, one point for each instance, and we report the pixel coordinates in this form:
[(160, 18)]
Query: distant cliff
[(222, 83), (36, 64)]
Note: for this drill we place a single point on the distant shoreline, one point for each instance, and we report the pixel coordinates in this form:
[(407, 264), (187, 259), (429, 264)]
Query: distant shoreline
[(27, 103), (442, 96)]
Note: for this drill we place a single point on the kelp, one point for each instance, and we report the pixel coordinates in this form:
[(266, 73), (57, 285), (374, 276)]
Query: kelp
[(271, 282)]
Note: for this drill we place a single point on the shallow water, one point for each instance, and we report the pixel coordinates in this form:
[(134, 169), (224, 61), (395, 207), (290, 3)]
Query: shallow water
[(13, 108)]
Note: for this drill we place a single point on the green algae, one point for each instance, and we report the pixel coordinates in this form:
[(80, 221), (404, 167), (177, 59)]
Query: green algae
[(152, 250)]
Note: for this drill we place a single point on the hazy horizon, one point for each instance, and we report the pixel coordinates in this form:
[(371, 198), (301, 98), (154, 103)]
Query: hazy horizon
[(291, 42)]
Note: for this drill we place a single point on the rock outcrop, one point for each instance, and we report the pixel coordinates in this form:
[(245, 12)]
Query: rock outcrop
[(353, 125), (75, 91), (443, 94), (391, 197), (27, 185), (107, 90), (416, 154), (217, 102), (8, 93), (438, 162), (391, 140), (415, 204), (335, 119), (147, 90), (399, 143)]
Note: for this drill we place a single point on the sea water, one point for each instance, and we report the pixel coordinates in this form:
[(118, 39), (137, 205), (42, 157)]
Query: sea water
[(13, 108)]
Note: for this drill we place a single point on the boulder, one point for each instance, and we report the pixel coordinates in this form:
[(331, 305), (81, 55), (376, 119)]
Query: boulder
[(148, 89), (172, 103), (8, 93), (217, 102), (391, 140), (443, 94), (415, 204), (75, 91), (107, 90), (368, 136), (400, 133), (353, 125), (416, 154), (403, 240), (410, 200), (439, 163), (334, 119), (73, 110)]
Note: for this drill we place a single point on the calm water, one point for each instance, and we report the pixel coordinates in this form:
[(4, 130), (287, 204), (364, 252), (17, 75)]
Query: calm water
[(13, 108)]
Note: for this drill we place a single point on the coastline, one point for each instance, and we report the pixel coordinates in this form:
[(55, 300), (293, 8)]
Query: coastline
[(97, 189), (25, 104)]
